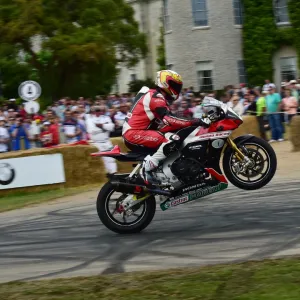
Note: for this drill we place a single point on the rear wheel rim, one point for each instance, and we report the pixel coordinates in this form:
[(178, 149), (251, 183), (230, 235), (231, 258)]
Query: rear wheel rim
[(111, 206), (261, 160)]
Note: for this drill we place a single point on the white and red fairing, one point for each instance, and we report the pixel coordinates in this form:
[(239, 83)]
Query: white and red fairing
[(217, 130)]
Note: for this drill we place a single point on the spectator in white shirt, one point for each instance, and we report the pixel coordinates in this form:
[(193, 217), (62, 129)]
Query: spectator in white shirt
[(99, 126), (4, 136), (33, 132), (268, 85), (71, 128), (197, 110), (236, 104), (119, 118), (2, 114)]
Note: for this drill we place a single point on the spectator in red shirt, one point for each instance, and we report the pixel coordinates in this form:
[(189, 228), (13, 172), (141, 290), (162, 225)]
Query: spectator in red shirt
[(23, 112), (54, 129), (46, 135)]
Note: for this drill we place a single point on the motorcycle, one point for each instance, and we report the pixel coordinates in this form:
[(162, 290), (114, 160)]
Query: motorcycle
[(190, 172)]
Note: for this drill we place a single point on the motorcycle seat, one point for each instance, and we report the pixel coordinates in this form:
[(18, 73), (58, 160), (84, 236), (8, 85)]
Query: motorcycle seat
[(116, 153)]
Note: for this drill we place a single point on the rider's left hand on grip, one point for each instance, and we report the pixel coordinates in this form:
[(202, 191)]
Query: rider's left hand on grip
[(205, 122)]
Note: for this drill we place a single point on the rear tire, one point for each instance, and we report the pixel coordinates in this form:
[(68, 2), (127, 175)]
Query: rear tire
[(270, 170), (107, 220)]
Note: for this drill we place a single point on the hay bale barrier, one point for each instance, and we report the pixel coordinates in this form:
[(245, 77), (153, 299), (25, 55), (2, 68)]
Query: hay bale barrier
[(80, 168), (295, 133), (250, 126), (123, 167)]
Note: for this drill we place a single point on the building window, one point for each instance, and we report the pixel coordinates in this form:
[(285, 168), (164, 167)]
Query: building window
[(281, 12), (205, 75), (238, 12), (167, 21), (133, 77), (242, 71), (288, 68), (199, 12)]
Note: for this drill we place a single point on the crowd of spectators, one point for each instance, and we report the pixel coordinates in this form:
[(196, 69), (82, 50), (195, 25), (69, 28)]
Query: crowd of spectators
[(66, 120)]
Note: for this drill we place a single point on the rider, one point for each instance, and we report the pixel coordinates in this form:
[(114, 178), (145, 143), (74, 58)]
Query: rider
[(150, 123)]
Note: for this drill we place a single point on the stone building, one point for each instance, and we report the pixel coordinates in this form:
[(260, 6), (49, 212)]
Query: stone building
[(148, 14), (204, 42)]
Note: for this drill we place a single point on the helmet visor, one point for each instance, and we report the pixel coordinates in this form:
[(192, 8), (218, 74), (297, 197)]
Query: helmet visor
[(175, 87)]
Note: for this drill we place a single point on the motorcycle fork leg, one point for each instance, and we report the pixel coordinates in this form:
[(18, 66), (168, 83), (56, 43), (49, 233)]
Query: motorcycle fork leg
[(239, 154)]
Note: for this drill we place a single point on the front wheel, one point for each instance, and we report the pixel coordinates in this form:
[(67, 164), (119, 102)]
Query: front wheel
[(108, 208), (261, 169)]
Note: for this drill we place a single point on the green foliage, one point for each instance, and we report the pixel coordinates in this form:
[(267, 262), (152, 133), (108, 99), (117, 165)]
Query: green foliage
[(81, 43), (161, 52), (262, 38), (11, 71), (294, 11), (136, 85), (259, 39)]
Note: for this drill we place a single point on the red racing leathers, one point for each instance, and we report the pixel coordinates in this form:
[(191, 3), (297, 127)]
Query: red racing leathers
[(150, 112)]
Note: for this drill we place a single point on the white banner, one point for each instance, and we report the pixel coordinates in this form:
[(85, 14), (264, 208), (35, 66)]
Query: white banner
[(31, 171)]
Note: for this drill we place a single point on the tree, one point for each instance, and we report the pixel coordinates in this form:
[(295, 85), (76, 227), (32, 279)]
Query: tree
[(161, 51), (259, 37), (136, 85), (73, 46), (11, 72), (262, 37)]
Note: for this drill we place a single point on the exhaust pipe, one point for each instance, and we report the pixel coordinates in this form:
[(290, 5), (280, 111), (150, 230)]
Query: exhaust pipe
[(121, 187)]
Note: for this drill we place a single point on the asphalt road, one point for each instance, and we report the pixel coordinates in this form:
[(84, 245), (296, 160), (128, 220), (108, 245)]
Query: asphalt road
[(67, 239)]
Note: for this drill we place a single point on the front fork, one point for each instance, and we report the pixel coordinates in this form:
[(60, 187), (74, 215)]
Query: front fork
[(238, 153), (244, 161)]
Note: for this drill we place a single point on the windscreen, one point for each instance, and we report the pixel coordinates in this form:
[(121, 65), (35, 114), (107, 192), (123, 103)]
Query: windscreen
[(212, 102)]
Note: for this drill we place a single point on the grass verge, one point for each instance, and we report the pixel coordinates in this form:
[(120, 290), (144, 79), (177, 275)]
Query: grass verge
[(263, 280), (19, 200)]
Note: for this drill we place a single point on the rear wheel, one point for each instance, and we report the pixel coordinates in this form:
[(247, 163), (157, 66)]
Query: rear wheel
[(261, 170), (112, 215)]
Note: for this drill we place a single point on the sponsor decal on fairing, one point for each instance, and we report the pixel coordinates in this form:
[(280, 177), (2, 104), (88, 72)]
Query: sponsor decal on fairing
[(145, 137), (193, 187), (214, 135), (193, 195)]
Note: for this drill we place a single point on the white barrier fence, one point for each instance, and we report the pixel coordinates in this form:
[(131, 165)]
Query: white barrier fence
[(31, 171)]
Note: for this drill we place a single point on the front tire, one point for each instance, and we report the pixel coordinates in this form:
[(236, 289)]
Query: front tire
[(264, 160), (148, 212)]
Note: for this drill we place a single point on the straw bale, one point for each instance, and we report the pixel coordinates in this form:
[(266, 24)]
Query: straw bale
[(123, 167), (80, 167), (295, 133), (250, 126), (119, 141)]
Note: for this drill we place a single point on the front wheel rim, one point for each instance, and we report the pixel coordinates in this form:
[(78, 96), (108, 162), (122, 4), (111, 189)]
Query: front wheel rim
[(261, 163)]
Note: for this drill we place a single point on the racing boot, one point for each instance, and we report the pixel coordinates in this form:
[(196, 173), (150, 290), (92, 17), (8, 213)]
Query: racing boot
[(151, 162), (146, 172)]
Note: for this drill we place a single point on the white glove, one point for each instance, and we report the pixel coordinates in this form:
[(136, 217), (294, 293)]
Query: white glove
[(207, 121)]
